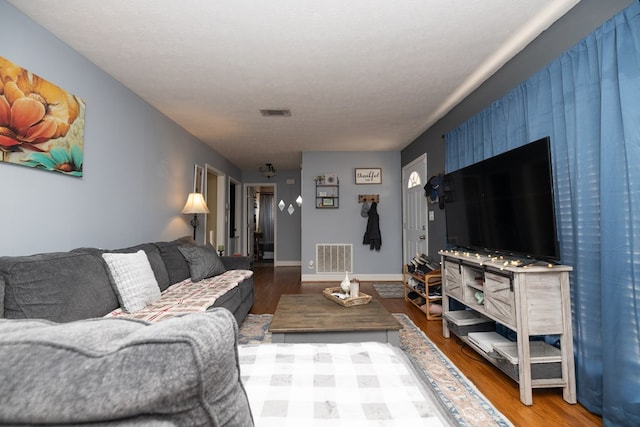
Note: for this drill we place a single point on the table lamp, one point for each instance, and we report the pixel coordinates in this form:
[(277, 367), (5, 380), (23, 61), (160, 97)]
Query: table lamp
[(195, 205)]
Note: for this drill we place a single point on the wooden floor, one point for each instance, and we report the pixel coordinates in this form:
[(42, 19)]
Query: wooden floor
[(548, 409)]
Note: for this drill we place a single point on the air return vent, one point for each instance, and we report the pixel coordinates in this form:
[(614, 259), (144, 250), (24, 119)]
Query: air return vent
[(283, 112), (334, 257)]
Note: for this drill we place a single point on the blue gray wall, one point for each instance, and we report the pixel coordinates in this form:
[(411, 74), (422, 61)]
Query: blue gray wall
[(345, 225), (138, 165)]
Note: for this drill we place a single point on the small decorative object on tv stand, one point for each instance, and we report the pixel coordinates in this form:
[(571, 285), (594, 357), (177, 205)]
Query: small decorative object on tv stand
[(530, 300)]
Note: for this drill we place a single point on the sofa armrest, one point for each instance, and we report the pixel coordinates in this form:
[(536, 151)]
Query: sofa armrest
[(183, 370), (237, 262)]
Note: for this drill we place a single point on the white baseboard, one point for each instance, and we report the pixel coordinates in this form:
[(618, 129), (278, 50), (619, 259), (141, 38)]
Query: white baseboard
[(287, 263), (362, 277)]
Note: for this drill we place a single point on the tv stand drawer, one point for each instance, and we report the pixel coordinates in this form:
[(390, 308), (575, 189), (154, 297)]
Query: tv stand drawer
[(499, 299)]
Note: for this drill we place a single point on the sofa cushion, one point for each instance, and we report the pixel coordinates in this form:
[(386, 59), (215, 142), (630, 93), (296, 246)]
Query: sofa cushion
[(237, 262), (176, 264), (183, 370), (231, 300), (135, 284), (1, 295), (153, 254), (59, 286), (246, 288), (203, 261)]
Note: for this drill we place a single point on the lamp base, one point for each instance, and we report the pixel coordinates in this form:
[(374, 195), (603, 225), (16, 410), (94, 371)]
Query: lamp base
[(195, 223)]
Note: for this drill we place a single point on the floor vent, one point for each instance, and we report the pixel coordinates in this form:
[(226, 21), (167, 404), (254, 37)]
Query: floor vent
[(334, 258)]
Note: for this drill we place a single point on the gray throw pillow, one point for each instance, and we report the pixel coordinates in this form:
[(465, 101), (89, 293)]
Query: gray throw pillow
[(177, 267), (203, 261)]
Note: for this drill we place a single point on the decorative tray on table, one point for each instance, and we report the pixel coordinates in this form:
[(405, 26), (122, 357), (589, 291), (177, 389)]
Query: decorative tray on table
[(336, 295)]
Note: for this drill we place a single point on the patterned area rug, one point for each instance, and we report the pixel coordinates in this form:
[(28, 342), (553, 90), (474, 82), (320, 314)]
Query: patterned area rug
[(465, 405), (389, 290)]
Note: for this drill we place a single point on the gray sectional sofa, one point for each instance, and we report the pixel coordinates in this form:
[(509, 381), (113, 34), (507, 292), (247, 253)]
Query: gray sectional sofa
[(67, 286), (62, 362)]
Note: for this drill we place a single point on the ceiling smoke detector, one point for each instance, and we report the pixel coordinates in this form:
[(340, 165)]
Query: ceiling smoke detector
[(274, 112)]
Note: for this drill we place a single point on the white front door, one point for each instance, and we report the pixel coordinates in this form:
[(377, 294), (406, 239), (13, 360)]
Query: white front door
[(414, 209)]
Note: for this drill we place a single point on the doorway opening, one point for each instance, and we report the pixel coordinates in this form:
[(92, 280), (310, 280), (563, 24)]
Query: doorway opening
[(215, 194), (260, 222), (235, 217)]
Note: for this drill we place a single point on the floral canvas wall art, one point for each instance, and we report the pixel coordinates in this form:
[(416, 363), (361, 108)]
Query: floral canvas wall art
[(41, 124)]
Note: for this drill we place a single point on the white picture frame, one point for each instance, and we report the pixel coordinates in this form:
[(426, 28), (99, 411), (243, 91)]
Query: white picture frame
[(198, 179), (328, 202)]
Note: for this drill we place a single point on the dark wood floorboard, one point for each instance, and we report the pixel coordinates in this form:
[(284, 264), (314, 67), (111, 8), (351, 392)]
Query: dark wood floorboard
[(548, 409)]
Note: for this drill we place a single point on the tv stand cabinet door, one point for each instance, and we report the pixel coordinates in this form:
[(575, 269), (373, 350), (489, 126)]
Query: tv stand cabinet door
[(453, 279), (499, 300)]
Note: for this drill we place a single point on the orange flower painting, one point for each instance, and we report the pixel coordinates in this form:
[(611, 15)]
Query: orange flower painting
[(41, 125)]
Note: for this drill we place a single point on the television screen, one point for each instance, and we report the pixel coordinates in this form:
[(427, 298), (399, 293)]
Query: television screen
[(504, 204)]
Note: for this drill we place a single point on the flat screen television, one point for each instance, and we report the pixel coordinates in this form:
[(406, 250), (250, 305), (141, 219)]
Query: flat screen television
[(504, 204)]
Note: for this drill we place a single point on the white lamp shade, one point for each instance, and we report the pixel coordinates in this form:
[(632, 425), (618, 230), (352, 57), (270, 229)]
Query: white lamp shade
[(195, 204)]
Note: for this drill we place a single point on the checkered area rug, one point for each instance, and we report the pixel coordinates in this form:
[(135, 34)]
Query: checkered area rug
[(349, 384), (447, 388)]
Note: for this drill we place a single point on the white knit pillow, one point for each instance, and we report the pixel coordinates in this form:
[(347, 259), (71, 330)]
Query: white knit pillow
[(133, 278)]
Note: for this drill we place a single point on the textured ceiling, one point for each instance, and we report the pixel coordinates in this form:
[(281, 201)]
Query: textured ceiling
[(366, 75)]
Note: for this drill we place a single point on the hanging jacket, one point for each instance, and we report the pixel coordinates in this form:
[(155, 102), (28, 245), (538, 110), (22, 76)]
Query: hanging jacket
[(434, 190), (372, 236)]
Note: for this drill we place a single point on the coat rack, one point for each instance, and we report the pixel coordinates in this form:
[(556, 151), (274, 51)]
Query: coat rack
[(368, 198)]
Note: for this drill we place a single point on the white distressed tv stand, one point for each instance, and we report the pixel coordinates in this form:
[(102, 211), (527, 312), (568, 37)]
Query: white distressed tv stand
[(531, 300)]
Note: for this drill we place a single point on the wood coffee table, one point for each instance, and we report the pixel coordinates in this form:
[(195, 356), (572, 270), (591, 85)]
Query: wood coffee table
[(313, 318)]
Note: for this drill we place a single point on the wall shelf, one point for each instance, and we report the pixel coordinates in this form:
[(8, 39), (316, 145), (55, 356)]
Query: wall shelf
[(327, 194)]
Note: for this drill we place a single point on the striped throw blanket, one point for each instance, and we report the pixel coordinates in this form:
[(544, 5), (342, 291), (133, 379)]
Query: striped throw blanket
[(187, 297)]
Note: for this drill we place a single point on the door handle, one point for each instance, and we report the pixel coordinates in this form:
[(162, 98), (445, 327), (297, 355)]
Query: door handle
[(422, 237)]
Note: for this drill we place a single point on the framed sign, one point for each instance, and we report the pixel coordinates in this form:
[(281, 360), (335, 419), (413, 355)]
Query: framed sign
[(327, 201), (368, 175)]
